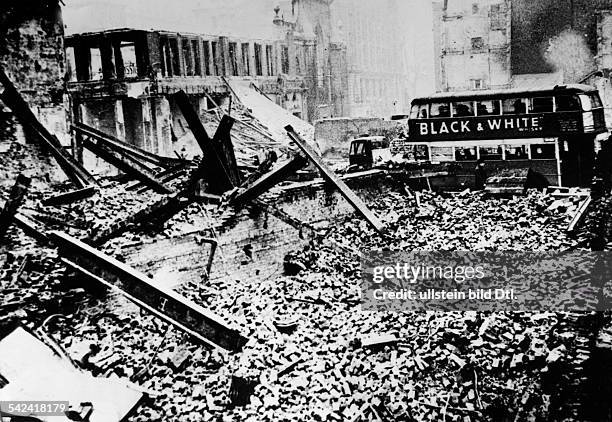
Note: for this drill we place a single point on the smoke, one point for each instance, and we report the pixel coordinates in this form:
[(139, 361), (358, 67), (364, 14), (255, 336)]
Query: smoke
[(570, 54)]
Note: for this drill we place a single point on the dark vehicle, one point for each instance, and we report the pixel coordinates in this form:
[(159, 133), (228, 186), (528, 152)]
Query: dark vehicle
[(368, 151), (551, 131)]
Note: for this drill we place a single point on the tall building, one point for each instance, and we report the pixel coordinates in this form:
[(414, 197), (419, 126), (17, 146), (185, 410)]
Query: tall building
[(374, 33), (475, 44)]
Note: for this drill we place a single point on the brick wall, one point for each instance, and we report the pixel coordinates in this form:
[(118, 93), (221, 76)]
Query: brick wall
[(32, 54), (251, 231)]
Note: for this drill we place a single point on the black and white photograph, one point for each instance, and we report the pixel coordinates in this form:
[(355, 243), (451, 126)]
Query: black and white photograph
[(306, 210)]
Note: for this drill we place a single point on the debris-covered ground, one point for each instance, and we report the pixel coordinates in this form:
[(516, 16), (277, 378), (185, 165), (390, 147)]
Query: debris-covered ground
[(305, 360)]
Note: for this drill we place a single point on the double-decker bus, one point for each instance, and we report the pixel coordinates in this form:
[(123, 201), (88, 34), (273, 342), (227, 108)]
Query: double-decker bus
[(551, 131)]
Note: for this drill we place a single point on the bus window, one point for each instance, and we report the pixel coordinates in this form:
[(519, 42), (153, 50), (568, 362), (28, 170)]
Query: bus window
[(514, 106), (586, 102), (465, 153), (595, 101), (491, 153), (414, 112), (542, 152), (516, 152), (567, 103), (542, 105), (358, 148), (440, 110), (463, 109), (488, 108), (419, 111), (417, 153), (442, 154)]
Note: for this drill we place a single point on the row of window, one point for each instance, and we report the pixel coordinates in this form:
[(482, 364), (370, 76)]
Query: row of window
[(560, 103), (213, 60), (474, 153), (122, 62)]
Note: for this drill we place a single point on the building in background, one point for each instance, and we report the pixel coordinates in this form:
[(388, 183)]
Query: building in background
[(374, 33), (475, 44), (120, 79)]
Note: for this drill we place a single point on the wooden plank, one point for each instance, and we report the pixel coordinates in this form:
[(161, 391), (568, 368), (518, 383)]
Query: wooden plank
[(16, 198), (118, 145), (328, 174), (127, 165), (214, 167), (222, 141), (580, 214), (163, 303), (269, 180), (70, 197)]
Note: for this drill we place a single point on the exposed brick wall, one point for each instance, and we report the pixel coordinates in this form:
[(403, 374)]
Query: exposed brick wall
[(32, 54), (267, 237)]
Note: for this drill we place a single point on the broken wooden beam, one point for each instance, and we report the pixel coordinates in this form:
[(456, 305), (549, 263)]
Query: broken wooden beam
[(16, 197), (580, 214), (71, 167), (214, 167), (269, 180), (70, 197), (165, 176), (142, 290), (328, 174), (126, 164), (118, 145), (222, 142)]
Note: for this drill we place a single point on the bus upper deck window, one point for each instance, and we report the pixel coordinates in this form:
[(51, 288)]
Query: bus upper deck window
[(585, 100), (542, 152), (596, 101), (567, 103), (514, 106), (542, 105), (463, 109), (440, 110), (423, 111), (488, 108), (419, 111)]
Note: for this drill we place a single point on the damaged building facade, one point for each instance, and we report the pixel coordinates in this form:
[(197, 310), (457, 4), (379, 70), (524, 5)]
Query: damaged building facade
[(32, 55), (120, 80), (475, 44)]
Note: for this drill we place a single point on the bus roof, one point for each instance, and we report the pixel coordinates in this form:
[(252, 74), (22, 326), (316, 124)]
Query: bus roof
[(482, 94)]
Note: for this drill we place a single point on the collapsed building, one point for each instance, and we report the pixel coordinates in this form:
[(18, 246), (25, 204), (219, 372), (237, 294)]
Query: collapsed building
[(202, 247)]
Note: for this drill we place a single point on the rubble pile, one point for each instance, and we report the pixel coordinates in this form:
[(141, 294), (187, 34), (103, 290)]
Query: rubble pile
[(313, 355)]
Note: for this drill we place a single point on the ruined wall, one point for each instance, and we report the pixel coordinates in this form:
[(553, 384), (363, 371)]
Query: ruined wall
[(476, 45), (32, 54), (252, 242)]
